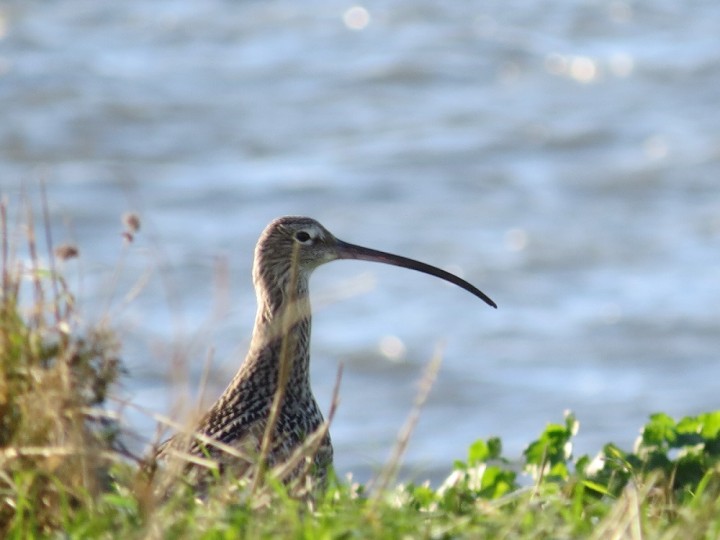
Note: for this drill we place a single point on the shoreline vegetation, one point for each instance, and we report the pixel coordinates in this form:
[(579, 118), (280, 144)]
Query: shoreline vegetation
[(64, 471)]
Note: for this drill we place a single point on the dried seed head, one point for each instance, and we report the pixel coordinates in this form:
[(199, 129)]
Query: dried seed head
[(66, 251), (131, 221)]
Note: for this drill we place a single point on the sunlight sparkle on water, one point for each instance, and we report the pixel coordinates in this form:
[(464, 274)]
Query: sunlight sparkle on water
[(392, 348), (583, 69), (580, 68), (356, 18)]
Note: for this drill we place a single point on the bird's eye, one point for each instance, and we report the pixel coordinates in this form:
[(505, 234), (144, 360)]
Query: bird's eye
[(302, 236)]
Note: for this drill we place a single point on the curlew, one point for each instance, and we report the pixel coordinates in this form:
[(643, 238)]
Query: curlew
[(268, 410)]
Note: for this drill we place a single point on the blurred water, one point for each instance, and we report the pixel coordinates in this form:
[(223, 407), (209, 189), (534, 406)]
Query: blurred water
[(563, 156)]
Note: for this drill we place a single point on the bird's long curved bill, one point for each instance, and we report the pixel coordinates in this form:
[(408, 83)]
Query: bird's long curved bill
[(351, 251)]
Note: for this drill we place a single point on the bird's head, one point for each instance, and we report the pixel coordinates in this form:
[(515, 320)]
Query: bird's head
[(291, 247)]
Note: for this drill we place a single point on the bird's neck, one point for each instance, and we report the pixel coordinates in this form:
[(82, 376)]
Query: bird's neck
[(281, 338)]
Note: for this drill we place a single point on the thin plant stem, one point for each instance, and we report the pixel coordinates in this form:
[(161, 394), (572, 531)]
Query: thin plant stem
[(390, 470), (51, 255)]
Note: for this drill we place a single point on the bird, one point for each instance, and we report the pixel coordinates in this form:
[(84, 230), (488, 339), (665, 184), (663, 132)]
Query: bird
[(268, 411)]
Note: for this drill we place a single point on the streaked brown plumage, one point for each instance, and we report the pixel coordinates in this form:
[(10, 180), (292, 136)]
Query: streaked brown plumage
[(287, 252)]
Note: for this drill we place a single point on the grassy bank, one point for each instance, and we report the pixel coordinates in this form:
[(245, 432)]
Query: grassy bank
[(64, 471)]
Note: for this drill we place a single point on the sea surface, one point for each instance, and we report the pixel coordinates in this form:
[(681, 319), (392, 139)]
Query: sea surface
[(562, 156)]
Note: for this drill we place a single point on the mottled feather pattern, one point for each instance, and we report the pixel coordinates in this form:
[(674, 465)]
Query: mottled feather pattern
[(239, 416)]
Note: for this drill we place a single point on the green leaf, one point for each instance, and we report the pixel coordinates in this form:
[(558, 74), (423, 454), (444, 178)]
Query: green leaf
[(572, 425), (495, 447), (599, 488), (559, 470), (120, 501), (459, 465), (423, 495), (496, 482), (582, 464), (479, 452), (710, 425), (660, 431)]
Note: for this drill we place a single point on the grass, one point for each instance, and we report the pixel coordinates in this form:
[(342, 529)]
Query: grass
[(64, 472)]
